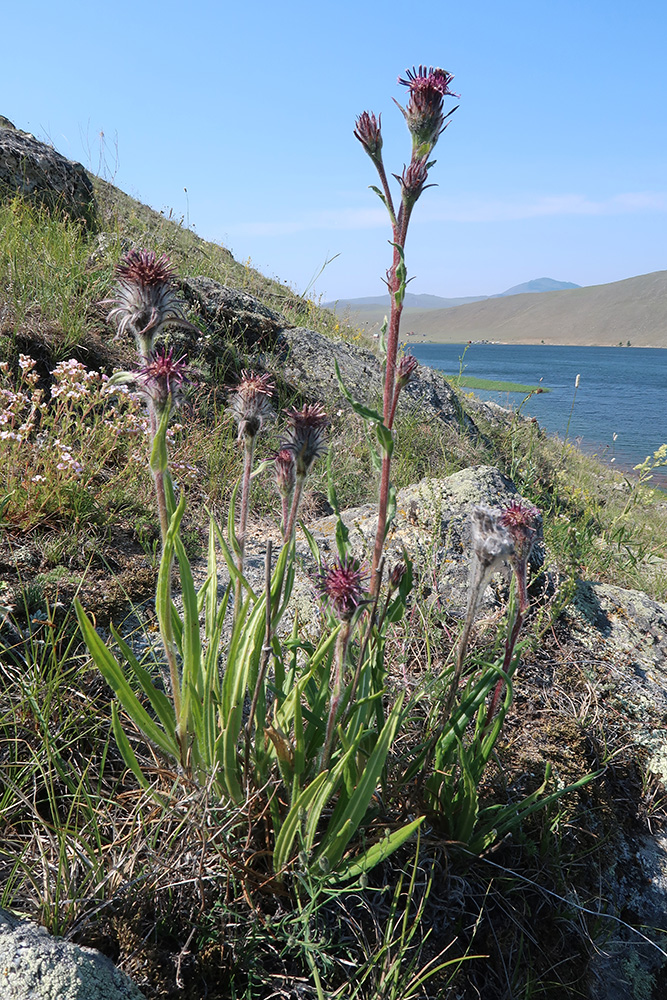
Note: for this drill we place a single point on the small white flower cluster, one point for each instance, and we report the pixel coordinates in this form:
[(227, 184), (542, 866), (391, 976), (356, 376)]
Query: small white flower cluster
[(15, 421), (67, 461), (87, 422)]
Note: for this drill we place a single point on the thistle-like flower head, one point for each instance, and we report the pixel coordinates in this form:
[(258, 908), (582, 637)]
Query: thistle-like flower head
[(522, 521), (145, 297), (251, 403), (396, 575), (305, 435), (368, 132), (424, 114), (428, 81), (162, 377), (413, 179), (342, 585)]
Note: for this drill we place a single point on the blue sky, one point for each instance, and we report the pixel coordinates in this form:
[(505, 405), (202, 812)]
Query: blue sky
[(554, 165)]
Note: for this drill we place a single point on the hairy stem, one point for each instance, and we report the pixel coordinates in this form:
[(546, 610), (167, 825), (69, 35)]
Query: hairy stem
[(248, 452)]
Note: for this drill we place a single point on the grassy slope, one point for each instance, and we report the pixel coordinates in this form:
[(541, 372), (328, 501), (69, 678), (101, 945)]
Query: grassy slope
[(601, 315), (250, 944)]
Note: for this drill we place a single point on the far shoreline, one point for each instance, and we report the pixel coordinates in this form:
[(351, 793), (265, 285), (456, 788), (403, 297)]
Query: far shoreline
[(408, 342)]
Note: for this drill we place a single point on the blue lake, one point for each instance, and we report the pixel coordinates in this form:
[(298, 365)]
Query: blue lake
[(622, 391)]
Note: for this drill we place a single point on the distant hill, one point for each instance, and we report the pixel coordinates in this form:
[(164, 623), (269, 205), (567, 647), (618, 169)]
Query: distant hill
[(537, 285), (413, 301), (632, 310)]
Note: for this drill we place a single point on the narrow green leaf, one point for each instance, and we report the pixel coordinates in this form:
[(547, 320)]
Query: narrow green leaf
[(126, 750), (114, 676), (162, 706), (377, 853), (359, 802), (290, 827)]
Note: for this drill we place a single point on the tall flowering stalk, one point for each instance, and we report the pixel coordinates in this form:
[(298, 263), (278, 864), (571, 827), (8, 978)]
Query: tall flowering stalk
[(426, 120), (145, 301)]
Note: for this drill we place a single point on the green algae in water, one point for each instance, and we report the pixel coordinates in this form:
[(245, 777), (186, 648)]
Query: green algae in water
[(471, 382)]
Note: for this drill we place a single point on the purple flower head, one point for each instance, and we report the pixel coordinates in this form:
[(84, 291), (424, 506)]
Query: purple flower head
[(284, 467), (250, 404), (305, 435), (145, 297), (369, 135), (163, 377), (342, 585), (522, 521), (407, 366), (431, 80), (424, 114), (413, 179)]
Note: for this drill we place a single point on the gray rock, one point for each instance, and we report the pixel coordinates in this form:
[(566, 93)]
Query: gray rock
[(307, 358), (38, 172), (242, 315), (627, 632), (36, 966), (432, 525)]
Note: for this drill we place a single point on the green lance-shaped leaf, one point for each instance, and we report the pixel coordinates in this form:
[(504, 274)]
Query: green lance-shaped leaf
[(386, 439), (191, 671), (161, 704), (316, 794), (376, 854), (115, 677), (346, 819), (362, 411), (159, 459), (126, 750), (401, 275)]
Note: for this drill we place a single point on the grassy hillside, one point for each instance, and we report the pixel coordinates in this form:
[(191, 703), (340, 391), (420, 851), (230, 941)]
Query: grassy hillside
[(600, 315), (219, 882)]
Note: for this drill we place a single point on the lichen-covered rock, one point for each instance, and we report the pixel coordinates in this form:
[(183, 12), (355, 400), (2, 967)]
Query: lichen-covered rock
[(307, 359), (240, 313), (432, 525), (39, 173), (626, 631), (36, 966)]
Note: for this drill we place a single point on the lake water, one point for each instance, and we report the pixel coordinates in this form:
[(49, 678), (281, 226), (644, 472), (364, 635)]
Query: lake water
[(622, 391)]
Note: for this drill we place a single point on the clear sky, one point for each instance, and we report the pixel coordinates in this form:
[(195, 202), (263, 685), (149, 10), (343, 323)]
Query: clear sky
[(554, 165)]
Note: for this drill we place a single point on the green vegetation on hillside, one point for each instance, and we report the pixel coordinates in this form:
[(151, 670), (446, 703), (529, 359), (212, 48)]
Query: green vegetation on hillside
[(151, 864)]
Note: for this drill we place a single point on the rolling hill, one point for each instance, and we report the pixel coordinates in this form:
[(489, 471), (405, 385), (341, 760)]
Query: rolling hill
[(634, 310)]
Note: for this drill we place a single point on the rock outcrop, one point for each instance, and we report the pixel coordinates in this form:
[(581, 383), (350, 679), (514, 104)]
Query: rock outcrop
[(237, 312), (305, 360), (36, 171), (432, 525), (36, 966)]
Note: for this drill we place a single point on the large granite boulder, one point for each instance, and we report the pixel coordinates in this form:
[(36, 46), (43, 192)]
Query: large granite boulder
[(304, 360), (36, 966), (39, 173)]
